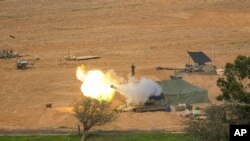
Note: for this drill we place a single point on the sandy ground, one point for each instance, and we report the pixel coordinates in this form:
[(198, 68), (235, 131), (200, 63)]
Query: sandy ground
[(148, 33)]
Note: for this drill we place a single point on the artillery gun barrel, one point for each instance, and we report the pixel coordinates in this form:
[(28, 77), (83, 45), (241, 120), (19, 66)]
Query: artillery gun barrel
[(170, 68)]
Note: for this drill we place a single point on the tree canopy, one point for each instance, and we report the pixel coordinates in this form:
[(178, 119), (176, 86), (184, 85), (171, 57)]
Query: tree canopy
[(235, 86), (91, 112)]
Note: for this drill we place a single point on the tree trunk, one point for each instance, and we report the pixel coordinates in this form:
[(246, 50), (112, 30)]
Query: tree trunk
[(83, 136)]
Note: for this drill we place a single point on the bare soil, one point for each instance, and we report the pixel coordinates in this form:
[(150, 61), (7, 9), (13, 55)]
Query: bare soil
[(148, 33)]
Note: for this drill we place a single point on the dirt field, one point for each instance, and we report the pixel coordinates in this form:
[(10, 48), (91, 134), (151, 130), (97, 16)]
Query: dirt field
[(148, 33)]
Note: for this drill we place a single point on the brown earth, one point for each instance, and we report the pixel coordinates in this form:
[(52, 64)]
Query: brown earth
[(148, 33)]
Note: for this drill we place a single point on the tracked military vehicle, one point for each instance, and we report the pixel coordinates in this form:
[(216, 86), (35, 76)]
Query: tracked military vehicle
[(202, 65)]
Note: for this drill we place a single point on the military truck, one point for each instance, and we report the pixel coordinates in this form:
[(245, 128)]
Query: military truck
[(6, 54), (22, 64)]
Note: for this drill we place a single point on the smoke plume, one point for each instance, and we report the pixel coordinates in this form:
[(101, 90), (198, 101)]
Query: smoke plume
[(139, 91)]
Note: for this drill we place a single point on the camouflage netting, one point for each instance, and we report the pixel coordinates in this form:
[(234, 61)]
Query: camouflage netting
[(181, 92)]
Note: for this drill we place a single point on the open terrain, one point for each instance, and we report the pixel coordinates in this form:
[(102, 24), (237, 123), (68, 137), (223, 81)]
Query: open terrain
[(148, 33)]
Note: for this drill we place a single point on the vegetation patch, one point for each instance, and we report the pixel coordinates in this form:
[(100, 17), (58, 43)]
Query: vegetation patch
[(138, 136)]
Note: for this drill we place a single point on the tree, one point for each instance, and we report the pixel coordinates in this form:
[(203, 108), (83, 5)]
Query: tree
[(235, 88), (91, 112)]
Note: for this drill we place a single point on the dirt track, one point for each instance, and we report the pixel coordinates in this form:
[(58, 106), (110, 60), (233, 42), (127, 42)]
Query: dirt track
[(147, 33)]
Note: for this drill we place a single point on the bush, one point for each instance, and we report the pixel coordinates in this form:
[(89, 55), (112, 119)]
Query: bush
[(214, 128)]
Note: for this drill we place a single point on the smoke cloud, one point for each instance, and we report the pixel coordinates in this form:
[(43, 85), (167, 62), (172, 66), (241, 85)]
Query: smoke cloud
[(139, 91), (98, 84)]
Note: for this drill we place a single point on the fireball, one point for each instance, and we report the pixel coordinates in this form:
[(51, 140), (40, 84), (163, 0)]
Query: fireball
[(96, 84)]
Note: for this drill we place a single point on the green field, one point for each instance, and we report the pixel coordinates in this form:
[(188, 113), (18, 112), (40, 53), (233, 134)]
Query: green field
[(157, 136)]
